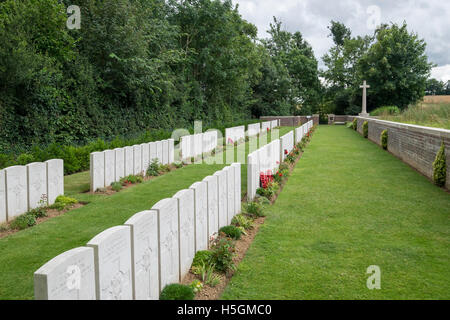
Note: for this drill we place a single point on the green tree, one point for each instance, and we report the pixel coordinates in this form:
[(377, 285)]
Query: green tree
[(396, 67)]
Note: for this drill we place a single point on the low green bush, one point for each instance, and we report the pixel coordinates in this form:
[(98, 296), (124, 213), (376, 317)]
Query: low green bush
[(153, 169), (23, 221), (355, 124), (255, 209), (231, 232), (38, 212), (365, 128), (384, 139), (440, 167), (177, 292), (270, 191), (202, 257), (131, 179), (241, 221), (222, 254), (62, 202), (116, 186)]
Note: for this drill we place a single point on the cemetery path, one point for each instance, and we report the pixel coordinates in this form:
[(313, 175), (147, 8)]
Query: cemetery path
[(349, 205)]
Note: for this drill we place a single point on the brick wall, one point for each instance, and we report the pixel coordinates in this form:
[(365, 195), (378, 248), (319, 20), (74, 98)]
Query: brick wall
[(415, 145)]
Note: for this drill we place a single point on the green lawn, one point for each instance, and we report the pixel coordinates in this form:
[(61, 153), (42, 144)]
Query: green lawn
[(24, 252), (349, 205)]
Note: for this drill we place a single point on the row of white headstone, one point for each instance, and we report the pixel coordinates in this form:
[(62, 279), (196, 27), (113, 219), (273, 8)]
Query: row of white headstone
[(195, 145), (235, 134), (110, 166), (23, 188), (152, 249), (268, 158)]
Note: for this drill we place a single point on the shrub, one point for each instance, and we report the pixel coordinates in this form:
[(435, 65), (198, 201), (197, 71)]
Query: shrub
[(241, 220), (163, 168), (231, 232), (440, 167), (270, 191), (24, 221), (179, 165), (38, 212), (365, 128), (384, 139), (24, 159), (131, 179), (255, 209), (202, 257), (153, 169), (116, 186), (222, 254), (196, 286), (177, 292), (62, 202), (355, 124)]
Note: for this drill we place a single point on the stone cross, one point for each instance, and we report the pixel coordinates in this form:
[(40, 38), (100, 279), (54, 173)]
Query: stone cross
[(364, 100)]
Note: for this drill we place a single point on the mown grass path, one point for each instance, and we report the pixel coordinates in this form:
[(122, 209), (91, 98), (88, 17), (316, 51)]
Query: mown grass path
[(22, 253), (349, 205)]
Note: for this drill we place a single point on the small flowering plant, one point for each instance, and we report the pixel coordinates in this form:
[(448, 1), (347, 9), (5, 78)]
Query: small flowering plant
[(196, 285), (230, 141)]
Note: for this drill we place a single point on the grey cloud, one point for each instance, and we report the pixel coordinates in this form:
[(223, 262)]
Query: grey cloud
[(429, 19)]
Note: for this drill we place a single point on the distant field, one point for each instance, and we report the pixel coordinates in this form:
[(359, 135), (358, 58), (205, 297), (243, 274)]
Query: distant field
[(424, 114), (436, 99)]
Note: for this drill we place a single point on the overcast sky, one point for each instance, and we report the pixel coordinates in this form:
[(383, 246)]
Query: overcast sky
[(429, 18)]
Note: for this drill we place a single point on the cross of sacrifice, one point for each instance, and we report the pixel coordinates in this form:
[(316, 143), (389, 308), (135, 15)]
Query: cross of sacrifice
[(364, 99)]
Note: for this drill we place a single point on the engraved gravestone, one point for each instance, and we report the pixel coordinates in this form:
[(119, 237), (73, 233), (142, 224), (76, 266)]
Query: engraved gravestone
[(159, 151), (69, 276), (165, 152), (37, 184), (152, 147), (2, 197), (144, 240), (16, 191), (237, 187), (145, 157), (171, 150), (55, 179), (201, 215), (168, 242), (97, 164), (129, 161), (137, 156), (222, 197), (119, 154), (110, 167), (186, 225), (112, 256), (213, 204), (230, 193)]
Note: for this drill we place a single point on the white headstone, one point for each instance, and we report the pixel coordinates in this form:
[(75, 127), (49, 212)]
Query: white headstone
[(252, 175), (165, 152), (16, 191), (119, 155), (222, 198), (69, 276), (145, 147), (231, 205), (237, 187), (55, 179), (254, 129), (112, 256), (144, 248), (186, 219), (201, 215), (213, 205), (186, 147), (159, 151), (129, 160), (153, 154), (97, 167), (169, 260), (110, 167), (2, 197), (37, 184), (171, 151), (137, 156)]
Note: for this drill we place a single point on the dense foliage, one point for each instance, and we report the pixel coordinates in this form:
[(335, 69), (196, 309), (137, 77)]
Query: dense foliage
[(393, 61), (440, 167), (136, 65)]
